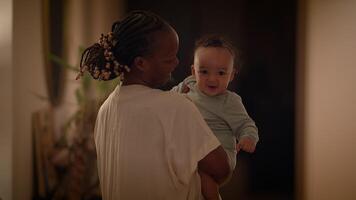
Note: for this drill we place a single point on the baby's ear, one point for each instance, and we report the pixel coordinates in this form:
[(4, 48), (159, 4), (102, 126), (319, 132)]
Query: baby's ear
[(233, 74), (192, 70)]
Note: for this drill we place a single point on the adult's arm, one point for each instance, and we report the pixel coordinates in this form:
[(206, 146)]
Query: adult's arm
[(215, 164)]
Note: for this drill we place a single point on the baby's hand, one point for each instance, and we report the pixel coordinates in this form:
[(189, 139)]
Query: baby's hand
[(185, 88), (247, 144)]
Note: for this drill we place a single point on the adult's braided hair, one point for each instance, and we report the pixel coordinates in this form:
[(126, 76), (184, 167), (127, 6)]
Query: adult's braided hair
[(114, 53)]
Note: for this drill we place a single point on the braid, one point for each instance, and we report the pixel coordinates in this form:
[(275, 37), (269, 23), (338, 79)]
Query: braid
[(115, 52), (135, 34)]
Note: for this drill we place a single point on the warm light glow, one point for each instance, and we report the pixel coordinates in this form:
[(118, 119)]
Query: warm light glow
[(330, 110), (6, 87), (5, 23)]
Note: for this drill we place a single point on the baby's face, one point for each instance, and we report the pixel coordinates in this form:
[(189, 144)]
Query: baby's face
[(213, 69)]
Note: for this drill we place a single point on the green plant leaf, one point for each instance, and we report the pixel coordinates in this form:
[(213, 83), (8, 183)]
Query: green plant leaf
[(79, 96), (61, 62), (86, 81)]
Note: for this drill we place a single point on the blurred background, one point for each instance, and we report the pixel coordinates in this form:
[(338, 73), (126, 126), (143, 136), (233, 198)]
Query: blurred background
[(297, 82)]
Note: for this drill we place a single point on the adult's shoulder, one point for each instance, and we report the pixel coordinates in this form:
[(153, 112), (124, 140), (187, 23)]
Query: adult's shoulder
[(177, 100), (107, 102)]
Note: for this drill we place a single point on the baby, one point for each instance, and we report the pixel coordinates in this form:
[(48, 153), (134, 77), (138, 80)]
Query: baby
[(223, 110)]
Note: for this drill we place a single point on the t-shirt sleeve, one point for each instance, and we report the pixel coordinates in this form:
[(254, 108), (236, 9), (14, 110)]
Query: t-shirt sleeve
[(191, 140)]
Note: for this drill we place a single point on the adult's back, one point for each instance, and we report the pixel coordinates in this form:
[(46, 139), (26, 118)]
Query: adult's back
[(149, 144)]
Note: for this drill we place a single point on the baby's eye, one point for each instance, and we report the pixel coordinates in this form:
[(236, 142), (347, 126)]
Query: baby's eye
[(222, 73), (203, 71)]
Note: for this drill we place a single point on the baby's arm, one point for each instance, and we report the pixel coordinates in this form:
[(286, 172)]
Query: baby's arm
[(247, 144), (243, 126), (248, 136), (180, 88), (183, 87)]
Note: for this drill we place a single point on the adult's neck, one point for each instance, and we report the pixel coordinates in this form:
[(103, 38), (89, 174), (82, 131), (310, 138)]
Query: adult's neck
[(134, 82), (134, 79)]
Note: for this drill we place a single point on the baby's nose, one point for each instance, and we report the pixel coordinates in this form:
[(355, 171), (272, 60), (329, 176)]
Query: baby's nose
[(212, 78)]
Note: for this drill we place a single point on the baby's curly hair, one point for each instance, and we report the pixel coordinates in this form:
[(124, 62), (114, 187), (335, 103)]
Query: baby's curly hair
[(215, 40), (114, 53)]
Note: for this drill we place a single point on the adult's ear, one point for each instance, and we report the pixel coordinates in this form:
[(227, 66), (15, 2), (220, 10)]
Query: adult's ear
[(140, 63)]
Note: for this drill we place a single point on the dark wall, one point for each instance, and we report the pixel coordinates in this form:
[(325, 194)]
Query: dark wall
[(265, 33)]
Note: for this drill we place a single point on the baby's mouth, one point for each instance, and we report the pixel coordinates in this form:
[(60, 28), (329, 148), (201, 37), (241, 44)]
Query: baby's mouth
[(212, 87)]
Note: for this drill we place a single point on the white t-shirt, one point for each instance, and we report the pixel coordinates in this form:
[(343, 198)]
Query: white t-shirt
[(148, 145)]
